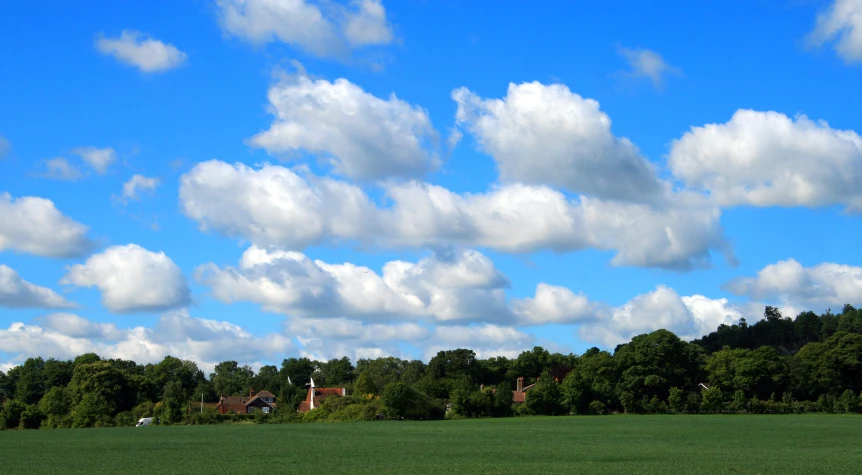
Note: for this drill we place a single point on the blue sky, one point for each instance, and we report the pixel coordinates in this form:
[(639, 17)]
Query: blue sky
[(665, 165)]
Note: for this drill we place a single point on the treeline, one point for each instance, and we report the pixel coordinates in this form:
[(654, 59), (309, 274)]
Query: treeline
[(777, 365)]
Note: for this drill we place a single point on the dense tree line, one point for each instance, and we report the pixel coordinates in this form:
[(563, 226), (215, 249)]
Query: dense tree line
[(777, 365)]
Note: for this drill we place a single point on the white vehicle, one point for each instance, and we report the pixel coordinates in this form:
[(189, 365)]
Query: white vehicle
[(145, 421)]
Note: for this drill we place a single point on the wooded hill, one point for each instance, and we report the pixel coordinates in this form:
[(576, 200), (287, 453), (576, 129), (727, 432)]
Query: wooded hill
[(777, 365)]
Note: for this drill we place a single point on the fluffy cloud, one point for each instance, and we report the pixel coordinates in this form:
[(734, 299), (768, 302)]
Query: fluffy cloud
[(204, 341), (361, 135), (795, 286), (139, 50), (275, 206), (74, 326), (769, 159), (60, 169), (98, 158), (368, 25), (459, 286), (548, 135), (35, 226), (842, 23), (138, 183), (321, 28), (644, 63), (132, 279), (554, 304), (16, 292), (689, 317)]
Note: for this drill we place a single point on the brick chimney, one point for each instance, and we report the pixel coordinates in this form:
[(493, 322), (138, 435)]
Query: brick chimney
[(520, 386), (250, 392)]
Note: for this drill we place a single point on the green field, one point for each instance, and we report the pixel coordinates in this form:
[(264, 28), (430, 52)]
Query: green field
[(536, 445)]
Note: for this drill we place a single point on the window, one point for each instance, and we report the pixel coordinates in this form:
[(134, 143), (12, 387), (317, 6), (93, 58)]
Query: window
[(266, 410)]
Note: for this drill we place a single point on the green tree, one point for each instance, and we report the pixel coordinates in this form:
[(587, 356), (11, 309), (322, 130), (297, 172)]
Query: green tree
[(653, 363), (712, 400), (335, 372), (397, 397), (299, 370), (546, 397), (31, 382), (676, 400), (847, 402), (231, 379), (364, 385), (503, 400)]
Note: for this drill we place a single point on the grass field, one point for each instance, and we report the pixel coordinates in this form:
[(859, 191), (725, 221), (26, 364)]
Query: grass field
[(536, 445)]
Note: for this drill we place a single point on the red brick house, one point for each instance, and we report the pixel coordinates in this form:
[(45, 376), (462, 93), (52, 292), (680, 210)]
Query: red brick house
[(316, 396), (519, 395), (263, 401)]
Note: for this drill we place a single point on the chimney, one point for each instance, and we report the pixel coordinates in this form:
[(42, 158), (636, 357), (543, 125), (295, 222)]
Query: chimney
[(250, 392), (520, 386)]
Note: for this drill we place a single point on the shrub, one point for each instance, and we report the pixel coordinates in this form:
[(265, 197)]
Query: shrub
[(597, 408)]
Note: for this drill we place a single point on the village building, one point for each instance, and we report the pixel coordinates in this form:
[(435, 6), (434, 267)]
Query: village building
[(316, 396), (519, 395), (263, 401)]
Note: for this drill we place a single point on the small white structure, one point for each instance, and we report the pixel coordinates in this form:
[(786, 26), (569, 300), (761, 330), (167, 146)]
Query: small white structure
[(144, 421)]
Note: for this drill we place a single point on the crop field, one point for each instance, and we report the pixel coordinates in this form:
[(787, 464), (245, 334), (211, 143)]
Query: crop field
[(538, 445)]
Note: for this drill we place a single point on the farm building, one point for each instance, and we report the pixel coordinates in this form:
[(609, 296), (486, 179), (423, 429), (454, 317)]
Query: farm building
[(263, 401), (316, 396)]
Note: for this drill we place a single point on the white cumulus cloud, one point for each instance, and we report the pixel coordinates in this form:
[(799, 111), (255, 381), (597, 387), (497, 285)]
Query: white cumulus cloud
[(547, 135), (554, 304), (824, 285), (275, 206), (769, 159), (321, 28), (132, 279), (16, 292), (362, 136), (34, 225), (459, 286), (841, 23), (689, 317), (141, 51)]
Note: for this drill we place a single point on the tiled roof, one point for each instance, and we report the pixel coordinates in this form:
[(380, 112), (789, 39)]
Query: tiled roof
[(265, 394), (319, 395)]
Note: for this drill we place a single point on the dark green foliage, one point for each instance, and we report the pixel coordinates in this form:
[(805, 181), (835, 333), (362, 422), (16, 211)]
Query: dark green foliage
[(231, 379), (651, 364), (364, 385), (299, 370), (546, 397)]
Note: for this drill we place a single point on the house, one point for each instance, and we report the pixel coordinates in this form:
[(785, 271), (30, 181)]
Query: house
[(263, 401), (519, 395), (316, 396)]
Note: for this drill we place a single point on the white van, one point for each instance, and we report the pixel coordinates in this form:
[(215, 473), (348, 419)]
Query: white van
[(145, 421)]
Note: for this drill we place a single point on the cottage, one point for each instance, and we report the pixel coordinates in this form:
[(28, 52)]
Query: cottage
[(263, 401), (519, 395), (316, 396)]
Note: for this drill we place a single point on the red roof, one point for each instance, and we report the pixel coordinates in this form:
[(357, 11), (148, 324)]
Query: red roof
[(319, 395)]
